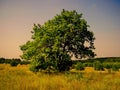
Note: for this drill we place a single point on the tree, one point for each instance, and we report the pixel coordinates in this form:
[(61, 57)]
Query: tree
[(54, 43), (98, 65), (79, 66)]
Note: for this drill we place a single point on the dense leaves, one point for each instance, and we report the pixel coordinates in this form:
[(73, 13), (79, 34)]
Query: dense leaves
[(13, 61), (54, 43), (80, 66)]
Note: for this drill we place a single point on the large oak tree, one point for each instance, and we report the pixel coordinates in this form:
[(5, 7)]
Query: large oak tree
[(54, 43)]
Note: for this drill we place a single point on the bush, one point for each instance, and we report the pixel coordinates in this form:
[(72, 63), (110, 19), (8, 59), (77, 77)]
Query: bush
[(107, 65), (79, 66), (115, 67), (88, 64), (2, 60), (98, 66), (14, 63)]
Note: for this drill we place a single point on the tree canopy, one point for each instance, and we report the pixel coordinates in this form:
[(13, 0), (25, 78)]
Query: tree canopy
[(54, 43)]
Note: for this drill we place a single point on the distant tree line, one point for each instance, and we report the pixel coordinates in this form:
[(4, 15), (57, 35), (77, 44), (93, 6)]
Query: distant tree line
[(111, 63), (13, 62)]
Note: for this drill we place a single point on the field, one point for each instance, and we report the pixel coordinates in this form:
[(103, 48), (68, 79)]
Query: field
[(21, 78)]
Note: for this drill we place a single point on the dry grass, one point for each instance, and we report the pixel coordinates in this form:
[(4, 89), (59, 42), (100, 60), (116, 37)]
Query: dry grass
[(20, 78)]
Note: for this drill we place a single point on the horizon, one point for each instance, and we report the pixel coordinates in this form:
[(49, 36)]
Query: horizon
[(17, 19)]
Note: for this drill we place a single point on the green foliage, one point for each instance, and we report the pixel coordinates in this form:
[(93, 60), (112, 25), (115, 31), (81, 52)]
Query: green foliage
[(38, 63), (88, 64), (54, 43), (112, 65), (98, 66), (2, 60), (13, 63), (115, 67), (107, 65), (79, 66), (24, 62)]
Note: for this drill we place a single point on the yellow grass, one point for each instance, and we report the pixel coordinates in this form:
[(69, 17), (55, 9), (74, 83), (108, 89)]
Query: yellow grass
[(20, 78)]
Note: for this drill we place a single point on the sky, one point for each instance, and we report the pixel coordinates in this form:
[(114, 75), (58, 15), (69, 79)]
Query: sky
[(18, 16)]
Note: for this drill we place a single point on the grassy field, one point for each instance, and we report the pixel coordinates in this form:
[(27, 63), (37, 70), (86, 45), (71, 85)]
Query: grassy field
[(20, 78)]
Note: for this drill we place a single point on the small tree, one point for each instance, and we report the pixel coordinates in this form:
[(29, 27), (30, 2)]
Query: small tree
[(80, 66), (54, 43), (14, 63), (115, 67), (98, 66)]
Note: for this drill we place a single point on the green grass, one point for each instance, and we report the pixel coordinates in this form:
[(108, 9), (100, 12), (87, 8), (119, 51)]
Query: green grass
[(20, 78)]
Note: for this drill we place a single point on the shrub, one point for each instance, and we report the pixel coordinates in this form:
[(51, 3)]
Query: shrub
[(79, 66), (88, 64), (14, 63), (98, 66), (115, 67), (2, 60), (107, 65)]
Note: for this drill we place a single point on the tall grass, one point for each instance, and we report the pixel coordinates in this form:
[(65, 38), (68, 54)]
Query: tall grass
[(20, 78)]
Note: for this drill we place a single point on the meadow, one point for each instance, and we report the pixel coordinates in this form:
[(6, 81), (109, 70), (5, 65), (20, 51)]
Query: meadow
[(21, 78)]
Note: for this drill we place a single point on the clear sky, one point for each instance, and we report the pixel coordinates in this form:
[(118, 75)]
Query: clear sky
[(18, 16)]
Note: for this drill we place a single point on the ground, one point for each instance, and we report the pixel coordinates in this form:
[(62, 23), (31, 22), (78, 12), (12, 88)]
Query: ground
[(21, 78)]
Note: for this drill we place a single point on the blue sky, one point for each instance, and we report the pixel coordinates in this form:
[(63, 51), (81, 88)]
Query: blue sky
[(18, 16)]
